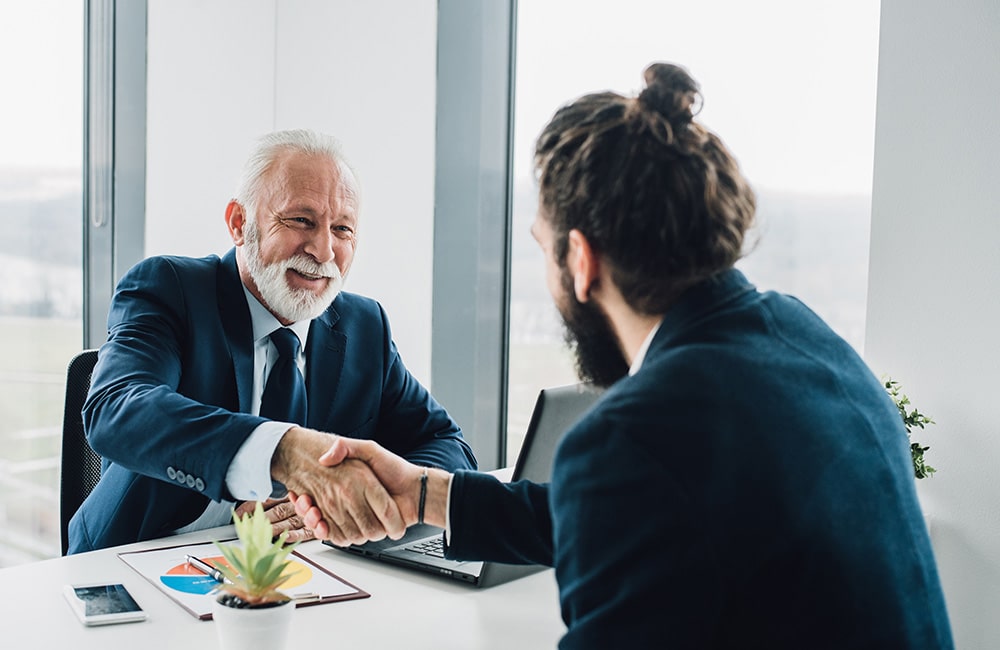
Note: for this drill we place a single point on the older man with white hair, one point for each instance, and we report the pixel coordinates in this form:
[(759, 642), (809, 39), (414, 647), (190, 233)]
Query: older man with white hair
[(222, 378)]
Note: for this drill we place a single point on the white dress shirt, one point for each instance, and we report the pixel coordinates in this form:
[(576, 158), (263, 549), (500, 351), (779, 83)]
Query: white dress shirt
[(249, 475), (640, 354)]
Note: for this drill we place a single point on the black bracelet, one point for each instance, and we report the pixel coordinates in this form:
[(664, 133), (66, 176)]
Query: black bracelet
[(423, 496)]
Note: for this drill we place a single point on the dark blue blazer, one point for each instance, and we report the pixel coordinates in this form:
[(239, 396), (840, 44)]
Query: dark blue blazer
[(170, 397), (750, 487)]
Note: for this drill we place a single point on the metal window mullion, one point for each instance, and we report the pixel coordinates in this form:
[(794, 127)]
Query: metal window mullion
[(98, 167), (472, 219), (114, 153)]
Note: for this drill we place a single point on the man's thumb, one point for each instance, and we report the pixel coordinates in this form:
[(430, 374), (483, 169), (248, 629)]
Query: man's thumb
[(337, 453)]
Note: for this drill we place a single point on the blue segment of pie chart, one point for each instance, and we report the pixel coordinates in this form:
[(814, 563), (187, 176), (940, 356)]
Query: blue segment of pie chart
[(190, 584)]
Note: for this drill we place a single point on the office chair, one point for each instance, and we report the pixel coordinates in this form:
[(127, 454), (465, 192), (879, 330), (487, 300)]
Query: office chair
[(81, 466)]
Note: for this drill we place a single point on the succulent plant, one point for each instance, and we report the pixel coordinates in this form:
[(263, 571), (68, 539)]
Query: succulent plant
[(256, 564)]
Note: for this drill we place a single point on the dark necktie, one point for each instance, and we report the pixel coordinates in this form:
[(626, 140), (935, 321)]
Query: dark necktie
[(284, 397)]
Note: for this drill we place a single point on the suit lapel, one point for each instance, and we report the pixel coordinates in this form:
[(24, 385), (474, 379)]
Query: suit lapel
[(235, 317), (325, 363)]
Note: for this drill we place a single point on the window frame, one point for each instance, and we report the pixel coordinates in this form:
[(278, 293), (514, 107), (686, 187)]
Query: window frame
[(472, 219), (114, 153)]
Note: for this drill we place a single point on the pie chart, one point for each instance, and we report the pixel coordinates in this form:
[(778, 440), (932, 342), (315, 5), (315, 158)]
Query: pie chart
[(187, 579)]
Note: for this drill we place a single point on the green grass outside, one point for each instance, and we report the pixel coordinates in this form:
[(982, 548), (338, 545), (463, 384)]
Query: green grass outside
[(34, 354)]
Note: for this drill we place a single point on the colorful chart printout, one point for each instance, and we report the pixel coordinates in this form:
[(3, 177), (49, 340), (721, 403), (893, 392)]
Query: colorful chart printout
[(168, 569)]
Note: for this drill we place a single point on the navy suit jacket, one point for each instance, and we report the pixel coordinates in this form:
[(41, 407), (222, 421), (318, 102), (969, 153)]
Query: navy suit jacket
[(749, 487), (169, 404)]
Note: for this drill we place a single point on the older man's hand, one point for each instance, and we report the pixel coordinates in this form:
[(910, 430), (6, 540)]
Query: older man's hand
[(281, 513), (355, 505), (401, 479)]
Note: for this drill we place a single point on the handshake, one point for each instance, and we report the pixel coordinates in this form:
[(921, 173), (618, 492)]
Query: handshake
[(353, 491)]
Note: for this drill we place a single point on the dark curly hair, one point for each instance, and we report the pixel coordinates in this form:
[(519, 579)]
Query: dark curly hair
[(657, 195)]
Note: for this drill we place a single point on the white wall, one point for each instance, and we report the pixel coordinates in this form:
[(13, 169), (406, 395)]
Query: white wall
[(210, 91), (934, 286), (221, 73)]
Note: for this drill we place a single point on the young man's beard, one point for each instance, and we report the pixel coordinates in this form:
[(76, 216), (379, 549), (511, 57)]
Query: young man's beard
[(589, 335)]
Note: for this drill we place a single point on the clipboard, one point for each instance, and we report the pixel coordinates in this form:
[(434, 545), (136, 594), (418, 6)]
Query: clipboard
[(167, 569)]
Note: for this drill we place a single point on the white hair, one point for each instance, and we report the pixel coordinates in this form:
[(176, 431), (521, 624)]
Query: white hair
[(272, 145)]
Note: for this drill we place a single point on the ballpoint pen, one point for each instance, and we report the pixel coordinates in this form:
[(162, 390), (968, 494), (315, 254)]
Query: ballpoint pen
[(206, 568), (301, 599)]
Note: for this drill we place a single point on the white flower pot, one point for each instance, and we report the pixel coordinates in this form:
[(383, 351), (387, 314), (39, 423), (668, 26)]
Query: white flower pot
[(252, 629)]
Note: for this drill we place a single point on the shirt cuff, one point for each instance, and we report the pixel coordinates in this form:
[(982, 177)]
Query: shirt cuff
[(447, 512), (249, 475)]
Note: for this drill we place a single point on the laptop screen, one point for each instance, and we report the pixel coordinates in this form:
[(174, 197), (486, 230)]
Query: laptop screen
[(556, 410)]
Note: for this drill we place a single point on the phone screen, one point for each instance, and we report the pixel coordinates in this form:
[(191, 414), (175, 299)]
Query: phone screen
[(99, 600)]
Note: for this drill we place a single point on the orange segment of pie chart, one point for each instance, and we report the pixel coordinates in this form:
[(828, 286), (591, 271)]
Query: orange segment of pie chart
[(297, 573)]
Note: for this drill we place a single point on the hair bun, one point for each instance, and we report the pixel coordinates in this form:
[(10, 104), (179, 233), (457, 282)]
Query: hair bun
[(671, 92)]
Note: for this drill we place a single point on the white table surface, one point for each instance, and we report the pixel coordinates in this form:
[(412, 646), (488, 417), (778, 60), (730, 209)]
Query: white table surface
[(406, 608)]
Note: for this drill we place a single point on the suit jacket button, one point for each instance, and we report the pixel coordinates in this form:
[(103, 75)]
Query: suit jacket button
[(171, 473), (199, 485), (180, 477), (189, 481)]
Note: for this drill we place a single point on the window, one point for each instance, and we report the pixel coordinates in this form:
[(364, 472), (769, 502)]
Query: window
[(789, 86), (41, 285)]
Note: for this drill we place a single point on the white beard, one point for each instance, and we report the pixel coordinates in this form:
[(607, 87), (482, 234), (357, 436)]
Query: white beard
[(290, 304)]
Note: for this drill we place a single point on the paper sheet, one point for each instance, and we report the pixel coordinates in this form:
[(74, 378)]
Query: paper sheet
[(168, 569)]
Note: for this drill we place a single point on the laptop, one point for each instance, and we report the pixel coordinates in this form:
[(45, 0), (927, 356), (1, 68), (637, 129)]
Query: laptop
[(422, 547)]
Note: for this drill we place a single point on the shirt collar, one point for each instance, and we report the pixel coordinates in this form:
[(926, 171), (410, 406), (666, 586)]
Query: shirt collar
[(640, 355)]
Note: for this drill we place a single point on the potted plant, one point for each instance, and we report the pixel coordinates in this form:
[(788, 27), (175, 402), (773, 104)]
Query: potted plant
[(911, 418), (249, 611)]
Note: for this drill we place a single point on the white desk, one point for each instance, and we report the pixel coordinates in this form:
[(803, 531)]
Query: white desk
[(406, 608)]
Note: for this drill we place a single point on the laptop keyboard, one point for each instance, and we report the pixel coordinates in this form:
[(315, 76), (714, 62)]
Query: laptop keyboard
[(433, 547)]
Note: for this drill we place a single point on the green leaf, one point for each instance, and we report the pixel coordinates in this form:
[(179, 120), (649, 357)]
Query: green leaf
[(911, 419), (257, 561)]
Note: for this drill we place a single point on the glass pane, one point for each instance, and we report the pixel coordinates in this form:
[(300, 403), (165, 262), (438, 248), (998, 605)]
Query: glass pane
[(41, 286), (788, 85)]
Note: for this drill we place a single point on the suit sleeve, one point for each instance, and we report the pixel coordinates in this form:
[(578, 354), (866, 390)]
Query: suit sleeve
[(412, 423), (502, 522), (135, 415)]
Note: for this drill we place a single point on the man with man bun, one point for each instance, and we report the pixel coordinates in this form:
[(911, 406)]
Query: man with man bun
[(745, 481)]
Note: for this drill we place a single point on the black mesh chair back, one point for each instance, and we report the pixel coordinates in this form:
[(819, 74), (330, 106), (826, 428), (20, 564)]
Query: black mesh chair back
[(81, 466)]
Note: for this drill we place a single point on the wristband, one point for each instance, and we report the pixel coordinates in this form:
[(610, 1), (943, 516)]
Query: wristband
[(423, 497)]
